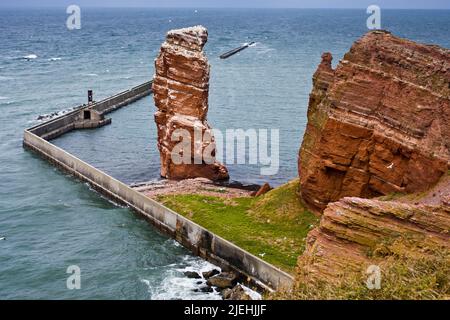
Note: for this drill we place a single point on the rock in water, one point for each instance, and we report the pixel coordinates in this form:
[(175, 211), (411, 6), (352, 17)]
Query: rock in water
[(223, 280), (209, 274), (180, 91), (379, 123), (192, 274), (237, 293)]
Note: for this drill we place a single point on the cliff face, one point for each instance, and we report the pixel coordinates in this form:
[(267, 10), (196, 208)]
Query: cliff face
[(377, 124), (180, 90)]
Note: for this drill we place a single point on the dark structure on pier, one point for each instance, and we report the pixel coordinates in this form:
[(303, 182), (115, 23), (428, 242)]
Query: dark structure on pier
[(234, 51)]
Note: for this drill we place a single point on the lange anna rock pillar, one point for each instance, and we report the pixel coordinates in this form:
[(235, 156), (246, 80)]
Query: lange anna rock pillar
[(180, 91)]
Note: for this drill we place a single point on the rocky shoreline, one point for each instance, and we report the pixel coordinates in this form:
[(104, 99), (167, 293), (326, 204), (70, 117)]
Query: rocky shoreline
[(201, 186), (226, 283)]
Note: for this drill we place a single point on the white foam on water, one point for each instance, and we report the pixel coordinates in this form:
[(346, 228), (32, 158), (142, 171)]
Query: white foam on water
[(263, 48), (5, 100), (175, 243), (46, 117), (30, 57), (199, 266), (105, 198), (253, 294), (91, 75), (55, 59), (175, 285)]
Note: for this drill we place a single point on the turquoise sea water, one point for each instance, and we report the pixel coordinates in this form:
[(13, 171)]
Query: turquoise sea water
[(52, 221)]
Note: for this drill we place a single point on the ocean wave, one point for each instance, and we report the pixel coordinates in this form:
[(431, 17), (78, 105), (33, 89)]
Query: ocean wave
[(91, 75), (29, 57), (5, 100), (55, 59), (49, 116), (253, 294), (175, 285)]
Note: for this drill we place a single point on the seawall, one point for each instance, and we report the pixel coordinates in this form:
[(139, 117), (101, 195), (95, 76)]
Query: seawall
[(58, 126)]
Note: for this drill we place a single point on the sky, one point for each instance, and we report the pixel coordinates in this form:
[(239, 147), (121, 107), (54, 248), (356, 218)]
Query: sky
[(386, 4)]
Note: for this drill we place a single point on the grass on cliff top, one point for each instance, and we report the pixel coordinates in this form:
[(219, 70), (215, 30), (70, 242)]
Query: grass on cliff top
[(272, 227), (407, 273)]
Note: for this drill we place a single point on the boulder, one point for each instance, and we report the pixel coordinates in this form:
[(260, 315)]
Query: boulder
[(192, 274), (204, 289), (211, 273), (237, 293), (223, 280)]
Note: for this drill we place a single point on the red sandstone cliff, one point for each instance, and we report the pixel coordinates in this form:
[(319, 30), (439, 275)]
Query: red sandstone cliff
[(377, 124), (354, 232), (180, 90)]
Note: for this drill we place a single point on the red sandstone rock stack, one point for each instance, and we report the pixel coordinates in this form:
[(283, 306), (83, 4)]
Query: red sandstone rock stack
[(377, 124), (180, 89)]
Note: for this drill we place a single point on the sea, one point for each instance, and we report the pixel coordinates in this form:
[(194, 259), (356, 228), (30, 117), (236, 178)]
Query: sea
[(51, 222)]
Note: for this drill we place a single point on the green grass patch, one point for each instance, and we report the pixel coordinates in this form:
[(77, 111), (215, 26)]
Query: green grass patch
[(272, 227), (391, 196)]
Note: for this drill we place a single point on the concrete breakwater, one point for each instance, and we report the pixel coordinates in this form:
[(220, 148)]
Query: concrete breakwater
[(90, 115), (199, 240)]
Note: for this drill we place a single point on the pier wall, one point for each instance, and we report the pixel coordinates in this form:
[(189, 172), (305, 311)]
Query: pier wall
[(67, 122), (194, 237)]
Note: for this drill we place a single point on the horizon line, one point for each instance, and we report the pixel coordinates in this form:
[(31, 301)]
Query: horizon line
[(200, 7)]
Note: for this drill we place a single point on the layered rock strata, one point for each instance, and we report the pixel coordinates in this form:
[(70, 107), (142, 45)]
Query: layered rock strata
[(180, 90), (377, 124), (353, 229)]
